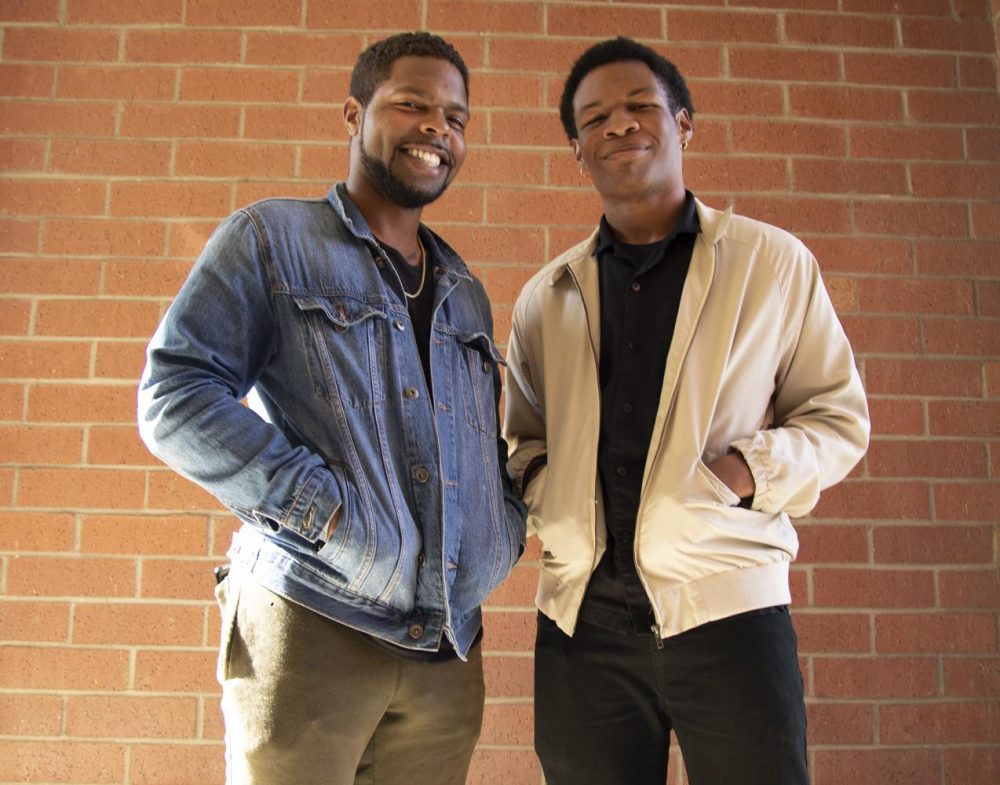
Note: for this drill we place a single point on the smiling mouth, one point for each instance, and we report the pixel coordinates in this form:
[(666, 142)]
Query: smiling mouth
[(429, 158)]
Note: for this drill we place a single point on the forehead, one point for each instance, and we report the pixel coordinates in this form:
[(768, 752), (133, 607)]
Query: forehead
[(426, 75), (614, 81)]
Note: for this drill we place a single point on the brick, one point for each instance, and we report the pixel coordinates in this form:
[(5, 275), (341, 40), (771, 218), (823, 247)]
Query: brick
[(36, 668), (183, 46), (20, 155), (82, 403), (29, 531), (170, 199), (859, 588), (986, 220), (96, 489), (926, 459), (983, 144), (798, 585), (955, 181), (179, 579), (746, 100), (177, 120), (831, 544), (94, 12), (503, 284), (15, 317), (977, 72), (27, 81), (842, 177), (882, 335), (724, 26), (993, 379), (534, 55), (509, 677), (839, 30), (117, 82), (248, 193), (103, 238), (906, 70), (139, 624), (242, 13), (30, 11), (936, 633), (240, 85), (972, 766), (381, 15), (900, 7), (949, 257), (843, 293), (970, 589), (312, 123), (487, 244), (931, 545), (811, 5), (784, 64), (180, 535), (948, 35), (965, 107), (966, 502), (30, 715), (789, 138), (32, 622), (939, 378), (940, 723), (109, 157), (912, 765), (988, 298), (537, 129), (875, 677), (51, 276), (827, 632), (508, 631), (506, 206), (176, 671), (505, 91), (7, 486), (41, 445), (517, 590), (186, 239), (102, 317), (845, 723), (167, 764), (70, 576), (11, 402), (892, 416), (225, 159), (46, 117), (972, 677), (732, 174), (500, 766), (508, 724), (875, 256), (117, 445), (447, 15), (169, 491), (285, 49), (964, 418), (130, 717), (43, 360), (845, 103), (897, 142), (19, 236), (928, 219), (51, 197), (145, 278), (891, 295), (223, 530), (60, 44), (504, 167), (961, 337), (798, 214), (61, 761)]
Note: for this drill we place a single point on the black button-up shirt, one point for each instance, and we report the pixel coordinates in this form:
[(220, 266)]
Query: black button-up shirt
[(641, 289)]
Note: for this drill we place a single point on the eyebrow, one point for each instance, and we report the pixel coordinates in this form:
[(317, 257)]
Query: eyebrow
[(631, 94)]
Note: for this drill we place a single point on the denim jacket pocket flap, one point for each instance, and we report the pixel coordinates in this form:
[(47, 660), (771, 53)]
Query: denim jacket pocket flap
[(343, 312), (483, 344)]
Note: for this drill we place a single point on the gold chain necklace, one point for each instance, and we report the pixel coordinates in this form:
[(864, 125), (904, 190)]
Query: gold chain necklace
[(423, 273)]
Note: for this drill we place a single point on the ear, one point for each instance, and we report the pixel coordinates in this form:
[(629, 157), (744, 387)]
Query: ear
[(353, 110), (577, 153), (685, 126)]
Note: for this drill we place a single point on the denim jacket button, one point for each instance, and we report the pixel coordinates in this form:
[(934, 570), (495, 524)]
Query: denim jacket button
[(421, 475), (399, 324), (411, 392), (421, 559), (416, 632), (486, 366)]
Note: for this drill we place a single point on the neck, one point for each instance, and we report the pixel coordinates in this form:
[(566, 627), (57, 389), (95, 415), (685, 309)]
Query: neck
[(394, 225), (645, 219)]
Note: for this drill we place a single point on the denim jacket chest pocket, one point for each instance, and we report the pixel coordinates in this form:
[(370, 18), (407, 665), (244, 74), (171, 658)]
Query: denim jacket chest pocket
[(480, 364), (338, 328)]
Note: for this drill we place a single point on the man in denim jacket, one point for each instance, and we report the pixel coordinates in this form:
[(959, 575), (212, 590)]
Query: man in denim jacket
[(372, 485)]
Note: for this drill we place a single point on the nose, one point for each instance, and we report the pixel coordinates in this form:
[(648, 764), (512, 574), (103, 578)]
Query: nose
[(619, 123), (434, 123)]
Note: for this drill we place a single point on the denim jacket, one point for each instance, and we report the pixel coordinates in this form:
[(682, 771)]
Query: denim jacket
[(287, 298)]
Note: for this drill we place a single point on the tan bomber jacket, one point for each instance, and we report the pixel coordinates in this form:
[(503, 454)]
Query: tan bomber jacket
[(759, 363)]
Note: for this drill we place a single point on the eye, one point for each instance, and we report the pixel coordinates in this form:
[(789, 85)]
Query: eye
[(592, 121), (413, 105), (457, 122)]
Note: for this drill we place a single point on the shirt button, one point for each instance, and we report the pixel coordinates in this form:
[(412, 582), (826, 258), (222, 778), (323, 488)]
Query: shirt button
[(627, 408), (421, 475), (411, 392), (416, 632), (421, 559), (622, 471), (399, 324), (630, 344), (636, 286)]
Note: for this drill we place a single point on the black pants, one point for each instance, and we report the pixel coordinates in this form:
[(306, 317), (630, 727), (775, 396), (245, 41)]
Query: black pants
[(731, 690)]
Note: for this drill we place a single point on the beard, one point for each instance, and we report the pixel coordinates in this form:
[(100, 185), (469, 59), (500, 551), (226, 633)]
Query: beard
[(390, 187)]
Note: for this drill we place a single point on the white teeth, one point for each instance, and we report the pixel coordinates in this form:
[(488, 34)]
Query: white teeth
[(431, 159)]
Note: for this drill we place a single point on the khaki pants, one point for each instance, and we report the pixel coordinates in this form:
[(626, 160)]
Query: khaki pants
[(309, 701)]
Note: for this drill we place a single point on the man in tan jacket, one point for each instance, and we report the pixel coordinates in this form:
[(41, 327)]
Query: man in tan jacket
[(678, 387)]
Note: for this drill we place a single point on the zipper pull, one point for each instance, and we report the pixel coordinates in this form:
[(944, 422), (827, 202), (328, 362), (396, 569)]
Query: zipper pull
[(656, 636)]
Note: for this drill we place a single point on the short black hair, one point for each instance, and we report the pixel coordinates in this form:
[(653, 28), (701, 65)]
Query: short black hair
[(617, 50), (375, 63)]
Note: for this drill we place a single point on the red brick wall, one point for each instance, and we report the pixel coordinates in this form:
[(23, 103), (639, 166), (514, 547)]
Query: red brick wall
[(128, 129)]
